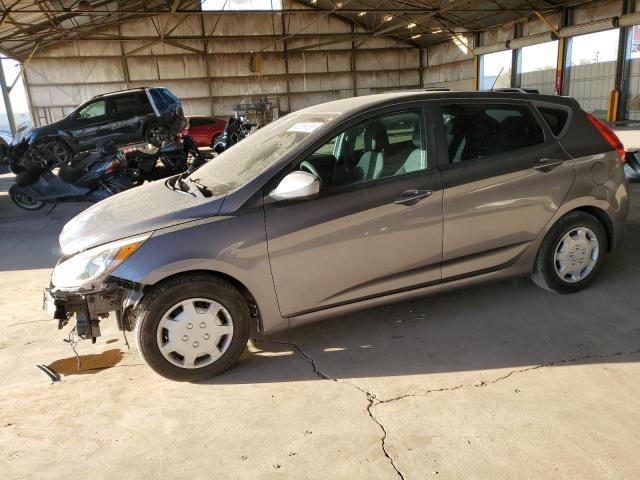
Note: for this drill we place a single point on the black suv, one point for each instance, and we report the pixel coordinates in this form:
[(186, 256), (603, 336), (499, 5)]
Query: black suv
[(144, 114)]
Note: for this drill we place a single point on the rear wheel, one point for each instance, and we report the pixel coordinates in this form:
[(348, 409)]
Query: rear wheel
[(3, 154), (157, 134), (571, 254), (25, 201), (192, 327)]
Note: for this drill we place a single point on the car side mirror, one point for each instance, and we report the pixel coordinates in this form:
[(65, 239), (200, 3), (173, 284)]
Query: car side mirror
[(297, 185)]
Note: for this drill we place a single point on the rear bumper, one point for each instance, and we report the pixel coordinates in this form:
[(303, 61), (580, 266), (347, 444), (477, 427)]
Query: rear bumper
[(618, 214)]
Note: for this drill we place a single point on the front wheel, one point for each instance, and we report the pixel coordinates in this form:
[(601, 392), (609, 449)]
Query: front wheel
[(59, 151), (192, 327), (571, 254), (24, 201)]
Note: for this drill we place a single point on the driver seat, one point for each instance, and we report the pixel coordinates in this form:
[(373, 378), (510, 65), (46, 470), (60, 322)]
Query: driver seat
[(371, 162)]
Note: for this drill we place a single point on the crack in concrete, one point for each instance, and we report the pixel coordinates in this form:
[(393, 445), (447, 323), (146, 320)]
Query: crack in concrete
[(374, 401), (371, 397), (484, 383)]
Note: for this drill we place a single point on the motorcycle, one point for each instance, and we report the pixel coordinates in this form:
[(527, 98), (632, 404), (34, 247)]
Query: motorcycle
[(87, 177), (171, 159), (234, 131)]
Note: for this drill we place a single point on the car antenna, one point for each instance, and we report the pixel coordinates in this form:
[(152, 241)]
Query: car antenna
[(496, 80)]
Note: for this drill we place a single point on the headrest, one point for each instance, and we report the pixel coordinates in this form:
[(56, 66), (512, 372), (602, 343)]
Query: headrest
[(460, 125), (375, 137), (416, 138), (514, 126)]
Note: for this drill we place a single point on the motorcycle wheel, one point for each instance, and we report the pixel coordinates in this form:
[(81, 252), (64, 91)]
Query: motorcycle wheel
[(25, 201)]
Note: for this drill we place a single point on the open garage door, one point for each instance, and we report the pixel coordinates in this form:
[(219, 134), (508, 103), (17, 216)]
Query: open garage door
[(537, 67), (592, 69), (633, 93)]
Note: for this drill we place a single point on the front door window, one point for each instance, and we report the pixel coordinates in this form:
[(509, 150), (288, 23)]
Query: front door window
[(377, 148), (94, 109)]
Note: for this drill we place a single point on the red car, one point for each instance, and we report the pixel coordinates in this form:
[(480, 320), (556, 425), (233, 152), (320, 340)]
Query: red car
[(203, 129)]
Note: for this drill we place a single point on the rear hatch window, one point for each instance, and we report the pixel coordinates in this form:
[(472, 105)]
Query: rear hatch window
[(556, 118)]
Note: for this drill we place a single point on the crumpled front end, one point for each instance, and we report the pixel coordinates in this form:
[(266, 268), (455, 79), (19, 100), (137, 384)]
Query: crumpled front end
[(89, 306), (82, 286)]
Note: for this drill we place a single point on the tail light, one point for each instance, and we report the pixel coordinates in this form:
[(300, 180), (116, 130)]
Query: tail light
[(111, 166), (611, 138)]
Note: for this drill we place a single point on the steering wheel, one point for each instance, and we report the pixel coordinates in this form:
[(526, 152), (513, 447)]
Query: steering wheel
[(308, 166)]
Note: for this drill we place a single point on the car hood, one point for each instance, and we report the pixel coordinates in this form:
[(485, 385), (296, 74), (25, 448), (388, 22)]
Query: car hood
[(133, 212)]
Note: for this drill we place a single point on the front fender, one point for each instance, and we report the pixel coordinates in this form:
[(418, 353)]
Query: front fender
[(234, 246)]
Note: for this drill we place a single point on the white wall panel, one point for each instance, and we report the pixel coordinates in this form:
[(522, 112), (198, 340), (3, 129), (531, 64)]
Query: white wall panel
[(314, 62), (543, 80), (314, 83), (590, 85), (74, 71)]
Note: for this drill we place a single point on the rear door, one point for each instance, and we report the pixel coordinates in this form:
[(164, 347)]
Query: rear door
[(128, 112), (504, 176)]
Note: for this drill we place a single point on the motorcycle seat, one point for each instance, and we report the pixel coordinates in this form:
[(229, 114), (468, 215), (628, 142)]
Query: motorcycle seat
[(145, 156), (70, 172)]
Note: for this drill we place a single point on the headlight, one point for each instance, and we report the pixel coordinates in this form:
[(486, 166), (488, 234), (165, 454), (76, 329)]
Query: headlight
[(87, 266)]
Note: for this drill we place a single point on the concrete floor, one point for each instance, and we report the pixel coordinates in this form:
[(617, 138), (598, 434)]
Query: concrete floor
[(497, 381)]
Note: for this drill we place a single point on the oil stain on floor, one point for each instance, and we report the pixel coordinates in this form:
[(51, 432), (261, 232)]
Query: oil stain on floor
[(89, 364)]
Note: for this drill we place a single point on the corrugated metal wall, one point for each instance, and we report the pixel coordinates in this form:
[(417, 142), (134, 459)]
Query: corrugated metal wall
[(65, 75)]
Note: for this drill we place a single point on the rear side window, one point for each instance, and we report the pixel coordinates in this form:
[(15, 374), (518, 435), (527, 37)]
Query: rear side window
[(168, 96), (200, 121), (556, 118), (158, 99), (136, 103), (475, 131)]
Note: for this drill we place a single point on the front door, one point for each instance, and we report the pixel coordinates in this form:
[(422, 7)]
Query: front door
[(90, 122), (504, 175), (376, 227)]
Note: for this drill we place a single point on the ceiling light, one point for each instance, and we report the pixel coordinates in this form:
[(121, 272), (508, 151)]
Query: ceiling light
[(436, 30), (339, 5), (362, 14), (411, 25), (387, 18), (417, 35), (313, 2)]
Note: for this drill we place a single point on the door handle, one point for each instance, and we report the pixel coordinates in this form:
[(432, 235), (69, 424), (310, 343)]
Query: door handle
[(411, 197), (547, 164)]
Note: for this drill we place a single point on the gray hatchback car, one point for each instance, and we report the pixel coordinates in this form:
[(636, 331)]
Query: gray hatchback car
[(343, 206)]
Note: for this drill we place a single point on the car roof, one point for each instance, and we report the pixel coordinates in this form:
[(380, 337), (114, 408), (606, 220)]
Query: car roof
[(353, 104), (120, 92)]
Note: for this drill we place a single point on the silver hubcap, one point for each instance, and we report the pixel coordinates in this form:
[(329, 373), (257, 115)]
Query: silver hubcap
[(576, 254), (195, 333)]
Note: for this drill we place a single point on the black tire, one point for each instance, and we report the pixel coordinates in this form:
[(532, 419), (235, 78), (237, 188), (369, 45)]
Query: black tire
[(24, 201), (545, 275), (157, 134), (60, 152), (167, 294), (3, 154)]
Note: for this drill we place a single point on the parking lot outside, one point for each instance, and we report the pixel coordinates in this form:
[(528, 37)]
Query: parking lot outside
[(498, 381)]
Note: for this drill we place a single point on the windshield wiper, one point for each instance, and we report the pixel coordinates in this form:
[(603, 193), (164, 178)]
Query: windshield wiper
[(192, 186), (203, 189)]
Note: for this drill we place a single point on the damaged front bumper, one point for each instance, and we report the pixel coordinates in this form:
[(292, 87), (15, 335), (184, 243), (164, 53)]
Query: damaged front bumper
[(90, 305)]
